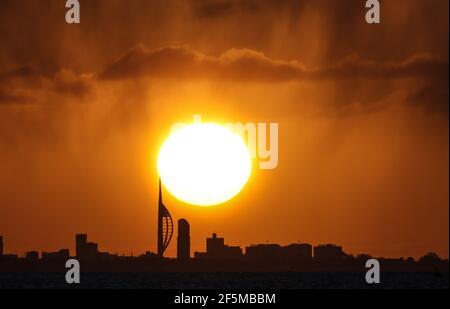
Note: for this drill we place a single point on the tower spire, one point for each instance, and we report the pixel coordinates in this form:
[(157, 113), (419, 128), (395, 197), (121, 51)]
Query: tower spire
[(165, 225), (160, 201)]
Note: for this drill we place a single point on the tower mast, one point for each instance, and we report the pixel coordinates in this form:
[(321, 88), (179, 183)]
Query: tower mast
[(165, 225)]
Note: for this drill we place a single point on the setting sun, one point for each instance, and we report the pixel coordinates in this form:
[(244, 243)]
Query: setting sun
[(204, 164)]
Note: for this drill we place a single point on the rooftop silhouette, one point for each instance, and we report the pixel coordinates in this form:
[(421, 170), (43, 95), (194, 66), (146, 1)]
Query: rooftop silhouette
[(217, 257)]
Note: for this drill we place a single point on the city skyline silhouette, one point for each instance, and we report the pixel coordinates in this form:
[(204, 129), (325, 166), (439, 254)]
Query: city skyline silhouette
[(218, 255)]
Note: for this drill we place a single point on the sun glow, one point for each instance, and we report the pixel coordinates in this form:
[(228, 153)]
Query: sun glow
[(204, 164)]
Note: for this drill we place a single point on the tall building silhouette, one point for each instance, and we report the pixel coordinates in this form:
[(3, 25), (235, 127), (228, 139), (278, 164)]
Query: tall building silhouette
[(1, 245), (183, 240), (165, 225)]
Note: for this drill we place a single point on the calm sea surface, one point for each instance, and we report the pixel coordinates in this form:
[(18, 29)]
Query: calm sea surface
[(225, 280)]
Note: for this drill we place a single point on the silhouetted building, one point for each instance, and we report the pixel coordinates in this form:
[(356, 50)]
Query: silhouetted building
[(263, 252), (217, 250), (32, 255), (85, 249), (61, 255), (293, 252), (10, 256), (165, 225), (232, 252), (80, 241), (183, 240), (1, 245), (328, 253), (301, 252), (215, 246), (200, 255)]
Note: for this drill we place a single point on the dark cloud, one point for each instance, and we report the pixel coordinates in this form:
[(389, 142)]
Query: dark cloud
[(180, 63), (434, 96), (28, 85), (16, 86), (24, 75), (68, 83), (357, 82), (246, 65), (22, 72), (423, 65), (161, 63), (411, 41), (9, 98)]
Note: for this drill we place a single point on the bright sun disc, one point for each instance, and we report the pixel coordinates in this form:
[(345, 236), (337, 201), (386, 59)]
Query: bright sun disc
[(204, 164)]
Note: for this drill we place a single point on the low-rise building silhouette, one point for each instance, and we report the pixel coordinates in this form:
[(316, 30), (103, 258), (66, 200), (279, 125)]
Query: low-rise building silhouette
[(328, 253), (263, 252), (217, 250), (61, 255), (302, 252), (32, 255), (10, 256), (1, 245), (183, 240), (275, 252), (85, 249)]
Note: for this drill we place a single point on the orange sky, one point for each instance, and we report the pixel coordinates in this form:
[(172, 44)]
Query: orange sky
[(362, 112)]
